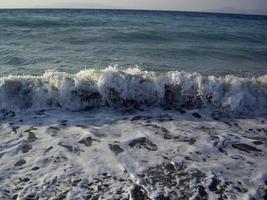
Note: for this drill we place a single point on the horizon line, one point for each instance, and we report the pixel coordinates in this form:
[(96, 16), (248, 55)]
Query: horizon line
[(134, 9)]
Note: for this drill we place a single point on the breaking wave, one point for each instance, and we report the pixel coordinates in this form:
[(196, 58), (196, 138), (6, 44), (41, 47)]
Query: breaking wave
[(132, 88)]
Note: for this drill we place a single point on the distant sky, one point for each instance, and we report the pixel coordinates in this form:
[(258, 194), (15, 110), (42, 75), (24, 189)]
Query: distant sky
[(237, 6)]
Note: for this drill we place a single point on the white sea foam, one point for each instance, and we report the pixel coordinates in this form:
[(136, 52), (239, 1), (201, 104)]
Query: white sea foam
[(132, 88), (78, 155)]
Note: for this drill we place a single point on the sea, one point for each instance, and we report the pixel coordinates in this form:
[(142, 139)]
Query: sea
[(132, 104)]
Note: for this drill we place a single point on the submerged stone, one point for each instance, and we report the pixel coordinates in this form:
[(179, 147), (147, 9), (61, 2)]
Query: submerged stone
[(32, 137), (116, 148), (139, 193), (214, 184), (20, 162), (135, 118), (245, 147), (25, 148), (143, 142), (68, 147), (196, 115), (180, 110), (86, 141)]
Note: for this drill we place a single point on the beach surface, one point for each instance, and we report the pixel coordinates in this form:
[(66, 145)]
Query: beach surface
[(133, 134), (156, 154)]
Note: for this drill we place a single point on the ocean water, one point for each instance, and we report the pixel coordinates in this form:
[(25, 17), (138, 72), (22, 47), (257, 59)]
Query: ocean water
[(81, 59), (32, 41), (140, 105)]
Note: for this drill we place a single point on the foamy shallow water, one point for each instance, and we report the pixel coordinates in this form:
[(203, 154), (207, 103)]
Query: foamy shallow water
[(150, 154)]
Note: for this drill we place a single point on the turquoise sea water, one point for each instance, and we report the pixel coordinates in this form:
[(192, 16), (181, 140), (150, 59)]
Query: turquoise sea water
[(32, 41)]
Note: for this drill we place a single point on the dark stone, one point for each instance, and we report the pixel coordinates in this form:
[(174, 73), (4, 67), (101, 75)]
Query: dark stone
[(164, 118), (170, 167), (62, 196), (25, 180), (257, 142), (15, 197), (162, 197), (53, 181), (32, 137), (216, 115), (95, 197), (68, 147), (196, 115), (48, 149), (20, 162), (214, 183), (25, 148), (9, 114), (180, 110), (245, 147), (130, 104), (241, 189), (76, 182), (39, 112), (30, 129), (167, 136), (202, 192), (164, 130), (135, 118), (31, 197), (139, 193), (116, 148), (63, 122), (54, 128), (190, 141), (120, 191), (153, 126), (4, 190), (14, 129), (187, 158), (86, 141), (35, 168), (265, 194), (143, 142), (81, 126), (168, 96), (87, 96), (180, 181)]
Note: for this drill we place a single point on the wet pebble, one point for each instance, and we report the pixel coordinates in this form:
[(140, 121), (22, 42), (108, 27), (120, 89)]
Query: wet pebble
[(139, 193), (35, 168), (20, 162), (86, 141), (196, 115), (143, 142), (115, 148), (245, 147), (25, 148)]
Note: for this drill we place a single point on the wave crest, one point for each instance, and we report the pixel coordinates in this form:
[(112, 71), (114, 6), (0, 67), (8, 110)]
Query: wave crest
[(132, 88)]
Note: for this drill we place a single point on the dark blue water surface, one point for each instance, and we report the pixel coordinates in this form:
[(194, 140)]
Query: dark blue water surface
[(32, 41)]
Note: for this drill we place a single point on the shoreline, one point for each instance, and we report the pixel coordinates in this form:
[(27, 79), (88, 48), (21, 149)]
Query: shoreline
[(143, 155)]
